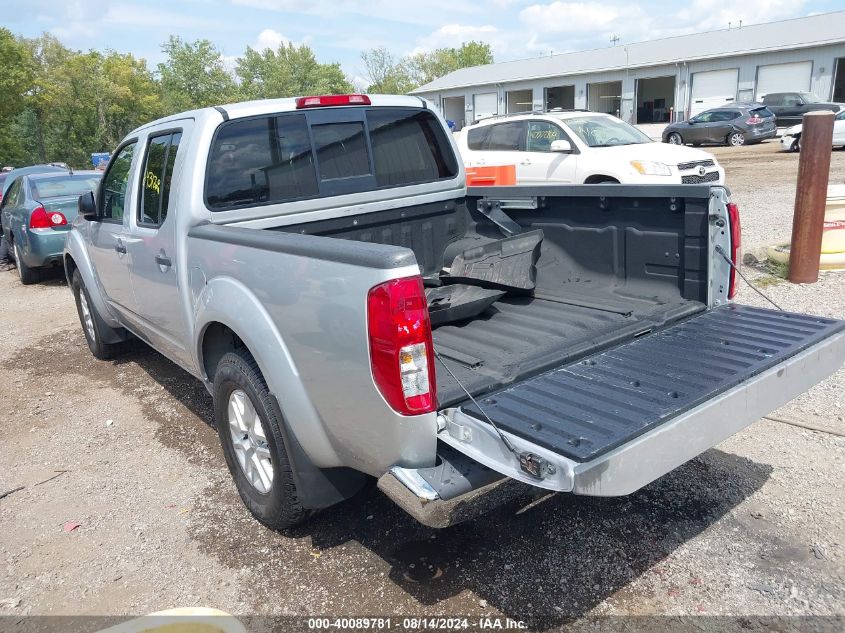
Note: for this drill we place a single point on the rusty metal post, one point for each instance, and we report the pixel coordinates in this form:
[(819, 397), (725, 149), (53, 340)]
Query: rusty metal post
[(810, 197)]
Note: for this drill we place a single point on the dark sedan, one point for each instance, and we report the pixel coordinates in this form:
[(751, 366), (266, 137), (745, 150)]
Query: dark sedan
[(732, 124)]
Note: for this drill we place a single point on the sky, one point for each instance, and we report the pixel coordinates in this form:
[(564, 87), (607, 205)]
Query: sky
[(339, 30)]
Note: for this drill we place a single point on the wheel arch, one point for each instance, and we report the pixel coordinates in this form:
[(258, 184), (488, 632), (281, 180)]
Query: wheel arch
[(228, 316), (595, 179), (317, 487)]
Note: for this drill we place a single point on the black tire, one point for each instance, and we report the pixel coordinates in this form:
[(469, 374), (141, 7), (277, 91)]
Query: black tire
[(95, 330), (279, 507), (675, 139), (27, 275)]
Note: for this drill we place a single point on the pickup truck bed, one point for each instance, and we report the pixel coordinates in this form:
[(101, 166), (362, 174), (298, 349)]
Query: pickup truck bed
[(590, 407)]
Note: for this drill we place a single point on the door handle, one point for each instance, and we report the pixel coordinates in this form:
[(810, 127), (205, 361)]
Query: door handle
[(525, 162), (120, 248), (163, 261)]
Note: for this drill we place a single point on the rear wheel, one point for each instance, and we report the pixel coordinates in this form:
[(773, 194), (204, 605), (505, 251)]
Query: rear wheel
[(675, 139), (93, 325), (27, 275), (736, 139), (249, 428)]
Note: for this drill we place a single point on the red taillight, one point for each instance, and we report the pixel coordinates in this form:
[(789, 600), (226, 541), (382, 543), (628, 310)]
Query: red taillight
[(736, 242), (43, 219), (401, 351), (331, 100), (754, 120)]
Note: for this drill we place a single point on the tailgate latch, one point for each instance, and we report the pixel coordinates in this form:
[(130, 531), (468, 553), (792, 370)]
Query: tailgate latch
[(535, 465)]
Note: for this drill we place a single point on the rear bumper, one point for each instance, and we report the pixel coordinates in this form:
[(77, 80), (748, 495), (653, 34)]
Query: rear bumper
[(421, 500), (44, 247), (622, 470), (760, 135)]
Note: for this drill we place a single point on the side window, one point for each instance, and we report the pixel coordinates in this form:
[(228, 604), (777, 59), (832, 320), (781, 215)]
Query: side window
[(792, 100), (507, 137), (115, 182), (477, 137), (13, 194), (156, 178), (260, 161), (541, 134)]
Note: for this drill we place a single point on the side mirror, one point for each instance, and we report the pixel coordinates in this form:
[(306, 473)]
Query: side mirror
[(563, 147), (691, 122), (87, 206)]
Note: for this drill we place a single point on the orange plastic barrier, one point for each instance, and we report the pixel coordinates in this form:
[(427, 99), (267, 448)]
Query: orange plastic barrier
[(500, 175)]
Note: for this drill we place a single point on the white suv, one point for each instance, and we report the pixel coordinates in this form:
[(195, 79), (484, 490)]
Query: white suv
[(582, 147)]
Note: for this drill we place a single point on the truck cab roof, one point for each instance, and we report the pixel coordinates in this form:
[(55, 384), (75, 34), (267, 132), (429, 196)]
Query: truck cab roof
[(243, 109)]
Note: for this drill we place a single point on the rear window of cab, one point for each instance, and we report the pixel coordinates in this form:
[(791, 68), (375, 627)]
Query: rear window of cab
[(286, 157)]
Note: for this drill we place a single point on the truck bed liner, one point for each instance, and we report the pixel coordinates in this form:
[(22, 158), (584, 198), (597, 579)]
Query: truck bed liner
[(587, 408)]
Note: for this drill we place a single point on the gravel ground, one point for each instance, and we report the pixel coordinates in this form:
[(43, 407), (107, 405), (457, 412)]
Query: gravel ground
[(753, 527), (762, 181)]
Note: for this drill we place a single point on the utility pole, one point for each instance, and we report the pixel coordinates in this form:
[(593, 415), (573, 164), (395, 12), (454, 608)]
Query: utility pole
[(810, 197)]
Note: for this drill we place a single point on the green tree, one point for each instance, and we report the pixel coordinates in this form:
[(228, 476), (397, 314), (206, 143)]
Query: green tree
[(286, 72), (426, 67), (391, 76), (194, 76), (386, 74), (80, 103), (15, 82)]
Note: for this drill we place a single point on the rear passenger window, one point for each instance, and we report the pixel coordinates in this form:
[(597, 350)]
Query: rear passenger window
[(477, 137), (409, 147), (157, 178), (506, 137), (341, 150), (260, 161)]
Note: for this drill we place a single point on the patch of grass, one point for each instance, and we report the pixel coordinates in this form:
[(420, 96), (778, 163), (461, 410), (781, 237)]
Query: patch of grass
[(769, 280), (776, 269)]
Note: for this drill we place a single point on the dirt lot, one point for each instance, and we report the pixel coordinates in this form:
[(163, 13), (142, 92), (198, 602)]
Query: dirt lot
[(753, 527)]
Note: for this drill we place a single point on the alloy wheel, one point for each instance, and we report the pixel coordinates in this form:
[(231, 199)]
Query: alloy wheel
[(736, 139), (250, 442), (87, 319), (674, 139)]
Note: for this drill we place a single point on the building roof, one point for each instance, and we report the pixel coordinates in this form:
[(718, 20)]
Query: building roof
[(814, 30)]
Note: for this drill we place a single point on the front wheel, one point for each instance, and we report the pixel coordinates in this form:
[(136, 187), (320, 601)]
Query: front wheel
[(675, 139), (93, 326), (736, 139), (27, 274), (249, 428)]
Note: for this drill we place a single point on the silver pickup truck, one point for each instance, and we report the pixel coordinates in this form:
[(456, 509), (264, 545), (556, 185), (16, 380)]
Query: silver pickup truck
[(356, 312)]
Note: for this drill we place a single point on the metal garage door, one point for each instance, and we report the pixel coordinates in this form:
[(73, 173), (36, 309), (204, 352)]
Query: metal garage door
[(712, 89), (794, 77), (485, 104)]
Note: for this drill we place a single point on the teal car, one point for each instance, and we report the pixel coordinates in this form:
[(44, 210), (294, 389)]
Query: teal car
[(36, 214)]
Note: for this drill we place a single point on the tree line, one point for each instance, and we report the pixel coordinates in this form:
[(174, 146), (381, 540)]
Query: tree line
[(62, 105)]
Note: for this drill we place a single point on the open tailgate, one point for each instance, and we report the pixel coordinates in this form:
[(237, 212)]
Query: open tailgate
[(615, 421)]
